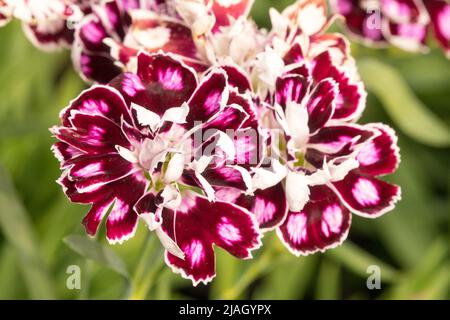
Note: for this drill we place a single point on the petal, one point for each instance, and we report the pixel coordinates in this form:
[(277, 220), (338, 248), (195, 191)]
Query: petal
[(237, 78), (380, 155), (440, 15), (290, 88), (95, 216), (167, 81), (154, 32), (336, 140), (366, 195), (98, 100), (225, 11), (89, 172), (122, 220), (297, 191), (322, 224), (55, 38), (310, 16), (94, 67), (64, 153), (198, 225), (92, 134), (209, 98), (356, 21), (321, 104), (268, 205), (351, 96)]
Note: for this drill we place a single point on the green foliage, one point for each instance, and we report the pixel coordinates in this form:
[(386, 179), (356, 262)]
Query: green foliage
[(410, 244)]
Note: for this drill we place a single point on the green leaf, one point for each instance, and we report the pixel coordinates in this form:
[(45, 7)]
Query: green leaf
[(357, 260), (97, 252), (405, 109), (19, 232)]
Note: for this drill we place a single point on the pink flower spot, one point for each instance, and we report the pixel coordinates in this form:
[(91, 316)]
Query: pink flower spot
[(171, 79), (369, 154), (443, 22), (195, 252), (228, 232), (365, 192), (131, 84), (264, 210), (331, 220), (88, 170), (296, 227), (212, 101)]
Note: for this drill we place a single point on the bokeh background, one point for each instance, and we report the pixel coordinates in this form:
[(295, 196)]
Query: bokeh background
[(41, 233)]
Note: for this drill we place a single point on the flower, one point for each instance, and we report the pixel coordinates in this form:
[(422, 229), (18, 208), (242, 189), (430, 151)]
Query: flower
[(183, 28), (152, 144), (404, 24), (45, 22), (322, 167)]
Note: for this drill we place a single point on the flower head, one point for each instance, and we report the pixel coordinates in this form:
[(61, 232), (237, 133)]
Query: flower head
[(131, 146), (404, 24)]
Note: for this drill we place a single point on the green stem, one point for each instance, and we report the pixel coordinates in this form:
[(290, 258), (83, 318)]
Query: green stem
[(148, 266), (253, 272)]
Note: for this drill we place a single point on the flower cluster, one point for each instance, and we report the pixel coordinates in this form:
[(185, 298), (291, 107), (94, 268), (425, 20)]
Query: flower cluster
[(212, 131), (403, 23)]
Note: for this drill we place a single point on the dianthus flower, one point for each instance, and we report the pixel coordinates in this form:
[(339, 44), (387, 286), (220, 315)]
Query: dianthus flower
[(130, 149)]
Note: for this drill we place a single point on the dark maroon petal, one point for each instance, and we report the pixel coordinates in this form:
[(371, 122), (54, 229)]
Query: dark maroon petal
[(92, 134), (98, 100), (237, 78), (95, 67), (365, 195), (227, 11), (91, 172), (336, 140), (381, 155), (350, 101), (439, 11), (357, 21), (95, 216), (290, 88), (51, 40), (208, 98), (64, 153), (294, 55), (91, 33), (168, 82), (122, 220), (225, 177), (407, 36), (321, 104), (146, 204), (268, 205), (198, 225), (322, 224)]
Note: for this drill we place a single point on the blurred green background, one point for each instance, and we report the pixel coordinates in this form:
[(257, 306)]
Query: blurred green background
[(41, 233)]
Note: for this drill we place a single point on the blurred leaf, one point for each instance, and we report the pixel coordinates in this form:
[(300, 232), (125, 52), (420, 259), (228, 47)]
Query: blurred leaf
[(430, 279), (357, 260), (94, 250), (328, 283), (19, 232), (408, 112)]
